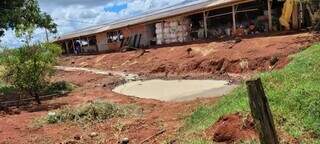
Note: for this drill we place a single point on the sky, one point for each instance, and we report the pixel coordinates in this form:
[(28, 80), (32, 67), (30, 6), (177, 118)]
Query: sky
[(74, 15)]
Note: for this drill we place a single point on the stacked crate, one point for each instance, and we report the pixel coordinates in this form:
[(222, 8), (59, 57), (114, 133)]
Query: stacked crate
[(173, 30)]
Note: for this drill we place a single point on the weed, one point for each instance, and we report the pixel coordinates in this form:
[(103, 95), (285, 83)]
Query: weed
[(118, 128)]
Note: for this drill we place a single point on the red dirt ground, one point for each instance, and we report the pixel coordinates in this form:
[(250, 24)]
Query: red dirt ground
[(232, 128), (250, 55), (237, 127), (157, 116)]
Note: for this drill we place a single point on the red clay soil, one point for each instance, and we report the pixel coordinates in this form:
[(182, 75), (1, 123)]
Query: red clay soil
[(238, 127), (249, 55), (232, 128), (164, 117), (160, 119)]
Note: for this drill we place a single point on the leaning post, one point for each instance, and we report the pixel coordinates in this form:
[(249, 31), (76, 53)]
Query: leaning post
[(261, 112)]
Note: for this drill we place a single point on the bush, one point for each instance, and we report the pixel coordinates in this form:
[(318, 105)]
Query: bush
[(28, 68), (95, 111)]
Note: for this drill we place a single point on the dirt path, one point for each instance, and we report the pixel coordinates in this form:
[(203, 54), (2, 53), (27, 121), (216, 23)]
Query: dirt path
[(124, 75)]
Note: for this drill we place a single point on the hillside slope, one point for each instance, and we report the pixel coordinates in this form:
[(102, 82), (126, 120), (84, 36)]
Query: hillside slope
[(251, 54), (294, 96)]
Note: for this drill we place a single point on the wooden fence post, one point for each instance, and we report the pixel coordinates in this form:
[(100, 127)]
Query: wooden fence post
[(261, 112)]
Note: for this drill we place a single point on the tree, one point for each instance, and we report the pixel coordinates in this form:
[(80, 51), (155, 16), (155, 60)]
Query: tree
[(29, 68), (23, 16)]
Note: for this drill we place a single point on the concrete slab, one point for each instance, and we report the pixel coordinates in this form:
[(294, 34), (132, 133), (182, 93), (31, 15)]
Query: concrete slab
[(175, 90)]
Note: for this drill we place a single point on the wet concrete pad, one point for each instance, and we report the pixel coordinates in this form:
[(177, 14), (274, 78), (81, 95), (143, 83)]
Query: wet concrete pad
[(175, 90)]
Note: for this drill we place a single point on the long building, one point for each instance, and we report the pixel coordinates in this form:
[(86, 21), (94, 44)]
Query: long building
[(203, 19)]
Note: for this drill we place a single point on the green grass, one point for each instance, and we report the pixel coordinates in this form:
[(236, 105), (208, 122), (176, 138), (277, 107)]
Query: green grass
[(91, 112), (293, 93)]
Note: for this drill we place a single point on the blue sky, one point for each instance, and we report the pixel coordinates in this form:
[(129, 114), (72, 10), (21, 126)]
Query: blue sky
[(73, 15), (116, 8)]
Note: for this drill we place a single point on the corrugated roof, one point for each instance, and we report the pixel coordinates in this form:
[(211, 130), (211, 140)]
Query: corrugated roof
[(152, 16)]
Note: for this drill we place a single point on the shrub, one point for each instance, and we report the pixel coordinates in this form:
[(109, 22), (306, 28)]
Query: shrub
[(95, 111), (28, 68)]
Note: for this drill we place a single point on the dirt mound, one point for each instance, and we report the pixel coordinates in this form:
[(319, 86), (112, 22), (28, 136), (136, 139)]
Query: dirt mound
[(216, 57), (221, 65), (232, 128)]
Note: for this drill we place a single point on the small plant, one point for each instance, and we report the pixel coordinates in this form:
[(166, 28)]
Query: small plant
[(92, 112), (118, 128)]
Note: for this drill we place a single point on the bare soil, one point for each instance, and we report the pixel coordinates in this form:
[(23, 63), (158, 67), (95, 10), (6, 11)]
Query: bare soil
[(233, 128), (160, 120), (20, 128), (249, 55)]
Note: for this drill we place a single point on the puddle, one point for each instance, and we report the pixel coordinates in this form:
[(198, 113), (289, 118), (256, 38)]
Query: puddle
[(175, 90)]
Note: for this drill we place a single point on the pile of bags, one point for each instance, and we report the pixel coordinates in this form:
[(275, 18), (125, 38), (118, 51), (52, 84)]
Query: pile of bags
[(173, 30)]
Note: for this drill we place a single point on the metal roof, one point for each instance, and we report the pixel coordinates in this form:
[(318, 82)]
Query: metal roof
[(152, 16)]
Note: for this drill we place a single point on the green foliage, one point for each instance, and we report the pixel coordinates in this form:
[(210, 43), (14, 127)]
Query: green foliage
[(61, 86), (95, 111), (29, 67), (23, 16), (294, 96)]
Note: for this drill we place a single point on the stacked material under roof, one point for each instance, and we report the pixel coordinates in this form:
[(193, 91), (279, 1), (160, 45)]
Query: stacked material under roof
[(173, 30)]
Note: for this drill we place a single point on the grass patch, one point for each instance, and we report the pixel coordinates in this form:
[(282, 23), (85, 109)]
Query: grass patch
[(91, 112), (293, 93)]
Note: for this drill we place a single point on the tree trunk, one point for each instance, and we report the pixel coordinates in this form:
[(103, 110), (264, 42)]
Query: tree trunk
[(37, 98)]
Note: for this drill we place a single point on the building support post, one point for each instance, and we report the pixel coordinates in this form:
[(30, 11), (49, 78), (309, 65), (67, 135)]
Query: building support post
[(73, 46), (67, 47), (205, 24), (88, 47), (80, 41), (234, 18), (270, 15), (88, 40)]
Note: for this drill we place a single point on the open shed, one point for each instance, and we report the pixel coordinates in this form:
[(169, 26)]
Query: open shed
[(206, 19)]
